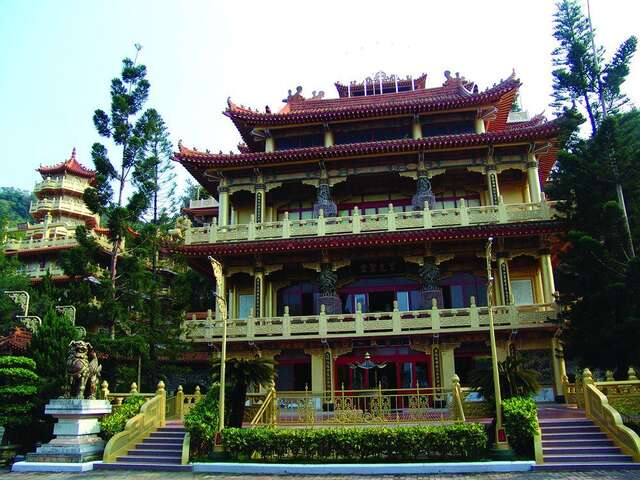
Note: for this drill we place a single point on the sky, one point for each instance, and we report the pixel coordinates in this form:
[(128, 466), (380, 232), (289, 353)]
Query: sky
[(57, 58)]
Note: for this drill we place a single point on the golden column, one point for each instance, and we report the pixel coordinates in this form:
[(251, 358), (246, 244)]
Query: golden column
[(492, 184), (260, 191), (223, 203), (504, 282), (221, 313), (532, 178), (258, 291), (548, 284)]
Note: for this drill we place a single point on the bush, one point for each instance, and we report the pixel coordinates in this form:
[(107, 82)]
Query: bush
[(521, 423), (18, 393), (115, 423), (460, 441), (202, 422)]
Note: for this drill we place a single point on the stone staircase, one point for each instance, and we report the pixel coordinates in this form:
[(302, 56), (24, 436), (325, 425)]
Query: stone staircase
[(160, 451), (570, 441)]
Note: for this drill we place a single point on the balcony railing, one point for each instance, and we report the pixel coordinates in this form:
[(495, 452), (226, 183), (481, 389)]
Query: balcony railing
[(38, 243), (53, 270), (66, 183), (204, 203), (206, 328), (65, 205), (381, 222)]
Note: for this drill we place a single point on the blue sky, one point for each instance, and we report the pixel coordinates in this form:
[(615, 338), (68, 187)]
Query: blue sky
[(58, 57)]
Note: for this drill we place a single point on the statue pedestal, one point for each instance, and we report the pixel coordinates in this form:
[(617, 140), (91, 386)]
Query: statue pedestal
[(76, 429)]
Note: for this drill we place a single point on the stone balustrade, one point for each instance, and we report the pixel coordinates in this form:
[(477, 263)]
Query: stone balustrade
[(65, 205), (206, 328), (59, 184), (203, 203), (380, 222)]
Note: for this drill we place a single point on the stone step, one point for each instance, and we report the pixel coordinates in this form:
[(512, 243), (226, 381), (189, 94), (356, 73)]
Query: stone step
[(163, 440), (588, 466), (573, 442), (153, 451), (161, 434), (571, 429), (149, 459), (150, 467), (561, 423), (576, 458), (159, 446), (574, 436), (571, 450)]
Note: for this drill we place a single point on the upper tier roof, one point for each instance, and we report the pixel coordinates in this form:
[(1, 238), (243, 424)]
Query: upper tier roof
[(455, 93), (71, 166), (381, 82)]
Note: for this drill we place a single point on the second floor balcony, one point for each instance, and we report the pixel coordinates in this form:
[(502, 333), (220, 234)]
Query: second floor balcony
[(69, 184), (356, 223)]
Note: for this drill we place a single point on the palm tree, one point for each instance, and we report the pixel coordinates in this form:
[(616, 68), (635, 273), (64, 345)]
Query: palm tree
[(241, 374), (515, 379)]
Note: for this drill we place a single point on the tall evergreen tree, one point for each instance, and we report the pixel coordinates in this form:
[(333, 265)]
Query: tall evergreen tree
[(10, 279), (582, 77)]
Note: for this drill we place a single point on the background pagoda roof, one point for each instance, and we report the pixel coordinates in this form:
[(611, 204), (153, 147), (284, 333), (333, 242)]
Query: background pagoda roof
[(71, 166), (388, 82)]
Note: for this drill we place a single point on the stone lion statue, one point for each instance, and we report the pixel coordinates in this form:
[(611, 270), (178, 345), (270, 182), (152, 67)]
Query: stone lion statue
[(83, 371)]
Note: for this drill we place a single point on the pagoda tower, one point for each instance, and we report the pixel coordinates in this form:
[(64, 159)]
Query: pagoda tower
[(57, 210)]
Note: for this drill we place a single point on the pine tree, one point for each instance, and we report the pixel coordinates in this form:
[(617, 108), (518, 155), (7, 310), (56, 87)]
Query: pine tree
[(10, 279), (582, 77)]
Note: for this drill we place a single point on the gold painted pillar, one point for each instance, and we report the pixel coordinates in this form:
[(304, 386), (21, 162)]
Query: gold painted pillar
[(503, 280), (223, 203), (448, 364), (479, 125), (269, 142), (328, 136), (258, 292), (260, 195), (416, 128), (317, 369), (492, 184), (533, 179), (548, 284)]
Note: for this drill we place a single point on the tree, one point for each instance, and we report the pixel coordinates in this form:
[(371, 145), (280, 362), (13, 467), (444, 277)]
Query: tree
[(242, 374), (124, 127), (598, 277), (582, 77), (10, 279), (515, 379), (18, 393), (49, 347), (14, 204)]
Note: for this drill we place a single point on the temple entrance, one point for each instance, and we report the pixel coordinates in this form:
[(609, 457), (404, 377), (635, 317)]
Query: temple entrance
[(293, 371)]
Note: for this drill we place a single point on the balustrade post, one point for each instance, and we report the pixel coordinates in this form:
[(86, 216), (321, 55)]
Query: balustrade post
[(105, 390), (286, 226), (474, 317), (435, 315), (251, 327), (457, 398), (356, 227), (163, 402), (321, 223), (391, 219), (359, 320), (134, 388), (502, 211), (464, 213), (286, 323), (395, 318), (197, 395), (180, 403), (188, 236), (631, 373), (587, 379), (251, 234), (322, 321), (213, 231), (426, 216)]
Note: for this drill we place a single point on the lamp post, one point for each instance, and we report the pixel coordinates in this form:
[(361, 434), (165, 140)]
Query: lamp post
[(501, 438), (221, 304)]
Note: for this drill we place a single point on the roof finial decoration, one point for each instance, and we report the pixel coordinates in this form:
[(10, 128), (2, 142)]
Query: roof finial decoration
[(317, 95), (296, 97)]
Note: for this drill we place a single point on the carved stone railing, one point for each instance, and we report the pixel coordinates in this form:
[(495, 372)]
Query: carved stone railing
[(65, 183), (39, 243), (150, 418), (58, 204), (204, 327), (381, 222), (598, 409), (203, 203)]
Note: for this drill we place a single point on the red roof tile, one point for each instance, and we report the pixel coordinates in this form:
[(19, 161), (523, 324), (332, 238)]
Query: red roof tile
[(71, 166)]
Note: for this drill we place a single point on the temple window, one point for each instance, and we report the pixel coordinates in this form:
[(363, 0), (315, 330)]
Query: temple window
[(451, 199), (448, 124), (301, 299), (522, 291), (286, 139), (245, 305), (392, 129), (458, 289), (377, 294), (375, 207), (297, 211), (293, 371)]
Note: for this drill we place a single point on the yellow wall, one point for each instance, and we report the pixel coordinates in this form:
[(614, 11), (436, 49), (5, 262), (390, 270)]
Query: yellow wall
[(512, 192)]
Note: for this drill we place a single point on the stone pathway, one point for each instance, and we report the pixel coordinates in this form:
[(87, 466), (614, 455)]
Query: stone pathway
[(591, 475)]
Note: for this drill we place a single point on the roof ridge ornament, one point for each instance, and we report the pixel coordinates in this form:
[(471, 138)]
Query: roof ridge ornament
[(295, 97)]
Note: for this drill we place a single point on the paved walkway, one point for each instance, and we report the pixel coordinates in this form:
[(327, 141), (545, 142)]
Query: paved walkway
[(592, 475)]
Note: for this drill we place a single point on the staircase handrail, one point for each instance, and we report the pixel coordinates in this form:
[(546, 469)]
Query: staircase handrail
[(458, 408), (150, 418), (186, 444), (608, 418), (537, 444), (267, 408)]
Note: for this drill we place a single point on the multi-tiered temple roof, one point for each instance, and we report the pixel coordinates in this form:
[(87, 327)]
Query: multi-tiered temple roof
[(70, 166)]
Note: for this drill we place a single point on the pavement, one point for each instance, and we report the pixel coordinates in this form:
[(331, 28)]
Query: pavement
[(129, 475)]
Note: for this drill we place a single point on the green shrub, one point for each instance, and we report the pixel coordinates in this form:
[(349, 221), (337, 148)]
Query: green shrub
[(461, 441), (521, 423), (18, 393), (115, 423), (202, 422)]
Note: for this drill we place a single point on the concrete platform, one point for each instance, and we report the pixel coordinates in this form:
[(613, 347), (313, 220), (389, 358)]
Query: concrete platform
[(53, 467), (361, 469)]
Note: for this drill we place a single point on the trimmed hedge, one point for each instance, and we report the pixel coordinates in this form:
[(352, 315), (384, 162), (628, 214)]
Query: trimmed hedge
[(115, 423), (202, 422), (460, 441), (521, 423), (18, 393)]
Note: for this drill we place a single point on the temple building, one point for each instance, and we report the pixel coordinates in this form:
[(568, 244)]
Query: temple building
[(355, 229), (57, 210)]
